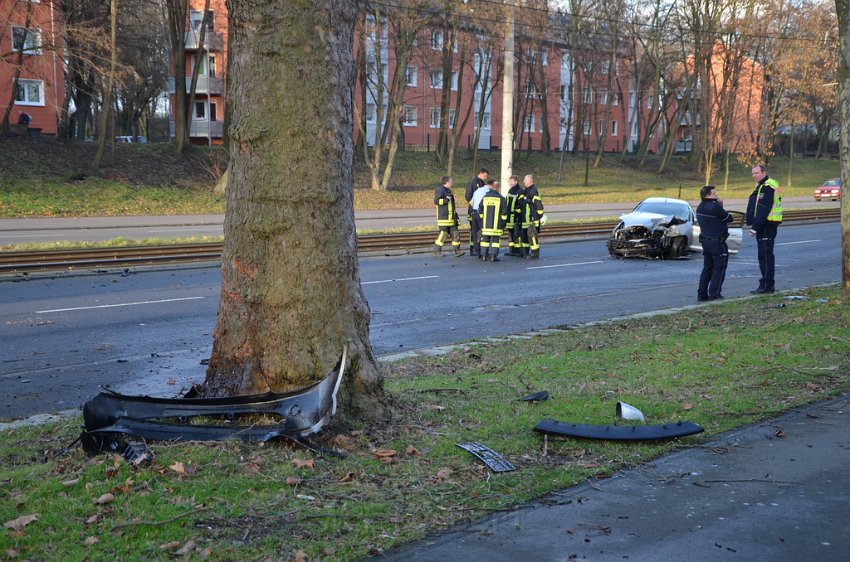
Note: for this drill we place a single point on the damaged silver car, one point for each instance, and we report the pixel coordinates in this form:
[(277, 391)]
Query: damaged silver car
[(660, 227)]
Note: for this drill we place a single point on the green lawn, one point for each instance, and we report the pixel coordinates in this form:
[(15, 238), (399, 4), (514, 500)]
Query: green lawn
[(44, 180), (405, 478)]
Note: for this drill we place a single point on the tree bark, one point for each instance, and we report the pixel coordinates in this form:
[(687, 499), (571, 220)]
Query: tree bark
[(842, 7), (291, 295)]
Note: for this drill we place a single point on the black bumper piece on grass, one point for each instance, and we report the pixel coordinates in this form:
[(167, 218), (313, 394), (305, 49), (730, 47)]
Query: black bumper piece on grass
[(618, 432), (109, 415)]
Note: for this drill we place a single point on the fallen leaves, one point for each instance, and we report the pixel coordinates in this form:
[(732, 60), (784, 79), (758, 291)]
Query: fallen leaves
[(304, 463), (91, 540), (19, 523), (386, 456), (182, 469), (104, 499)]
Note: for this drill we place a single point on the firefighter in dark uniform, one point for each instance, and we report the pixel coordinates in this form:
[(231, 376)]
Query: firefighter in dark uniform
[(713, 222), (472, 213), (764, 215), (493, 213), (512, 226), (447, 219), (531, 217)]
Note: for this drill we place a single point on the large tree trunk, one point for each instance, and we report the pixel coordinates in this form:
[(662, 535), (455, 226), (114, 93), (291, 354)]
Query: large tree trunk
[(842, 7), (291, 295)]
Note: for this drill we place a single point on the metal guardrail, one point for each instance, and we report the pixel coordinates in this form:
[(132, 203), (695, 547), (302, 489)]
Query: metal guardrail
[(54, 260)]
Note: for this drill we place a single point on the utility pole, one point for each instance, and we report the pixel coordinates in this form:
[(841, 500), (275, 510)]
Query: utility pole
[(508, 103)]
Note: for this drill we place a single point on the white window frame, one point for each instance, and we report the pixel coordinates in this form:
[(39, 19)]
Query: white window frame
[(452, 118), (32, 43), (195, 19), (614, 128), (603, 98), (409, 116), (532, 56), (435, 117), (436, 79), (615, 98), (606, 66), (528, 123), (454, 81), (22, 86), (411, 73), (585, 128), (485, 121), (437, 39), (207, 105), (588, 95)]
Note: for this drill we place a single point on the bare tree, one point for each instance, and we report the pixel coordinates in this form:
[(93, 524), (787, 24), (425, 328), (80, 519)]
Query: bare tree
[(842, 8), (291, 297), (110, 86)]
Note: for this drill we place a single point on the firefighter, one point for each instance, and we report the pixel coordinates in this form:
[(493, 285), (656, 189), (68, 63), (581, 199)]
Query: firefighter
[(764, 215), (493, 212), (447, 219), (472, 212), (512, 226), (532, 218)]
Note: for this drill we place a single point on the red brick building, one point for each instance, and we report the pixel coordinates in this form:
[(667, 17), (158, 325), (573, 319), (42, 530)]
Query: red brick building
[(31, 71), (206, 125)]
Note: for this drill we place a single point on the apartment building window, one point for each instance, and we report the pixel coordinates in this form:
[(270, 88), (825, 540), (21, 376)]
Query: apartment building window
[(454, 81), (409, 118), (603, 98), (26, 40), (588, 95), (203, 108), (485, 119), (436, 78), (585, 128), (370, 112), (29, 92), (600, 126), (410, 74), (564, 91), (530, 88), (452, 118), (436, 39), (207, 66), (528, 123), (537, 56), (615, 98), (606, 67), (197, 17), (614, 128), (435, 117)]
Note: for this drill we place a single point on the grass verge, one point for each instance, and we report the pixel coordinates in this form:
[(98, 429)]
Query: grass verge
[(721, 366)]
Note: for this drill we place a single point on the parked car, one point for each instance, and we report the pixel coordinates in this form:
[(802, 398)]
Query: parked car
[(141, 139), (830, 189), (664, 228)]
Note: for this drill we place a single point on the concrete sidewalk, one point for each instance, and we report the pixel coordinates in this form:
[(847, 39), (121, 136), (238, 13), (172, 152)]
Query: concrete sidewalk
[(777, 490)]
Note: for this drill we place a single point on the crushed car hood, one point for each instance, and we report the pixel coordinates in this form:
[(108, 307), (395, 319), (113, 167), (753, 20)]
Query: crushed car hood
[(641, 218)]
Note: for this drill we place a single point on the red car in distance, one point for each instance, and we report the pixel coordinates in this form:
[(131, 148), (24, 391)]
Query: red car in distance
[(830, 189)]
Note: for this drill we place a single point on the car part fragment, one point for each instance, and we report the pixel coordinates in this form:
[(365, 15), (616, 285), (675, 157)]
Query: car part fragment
[(628, 412), (493, 460), (618, 433), (536, 397), (303, 412)]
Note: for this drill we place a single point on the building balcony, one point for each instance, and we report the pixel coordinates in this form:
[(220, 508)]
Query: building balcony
[(212, 41), (201, 129), (210, 85)]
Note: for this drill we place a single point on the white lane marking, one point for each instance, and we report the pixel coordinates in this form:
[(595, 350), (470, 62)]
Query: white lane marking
[(565, 264), (185, 228), (800, 242), (115, 305), (33, 235), (403, 279)]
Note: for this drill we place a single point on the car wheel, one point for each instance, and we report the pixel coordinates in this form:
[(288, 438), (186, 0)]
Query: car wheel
[(677, 248)]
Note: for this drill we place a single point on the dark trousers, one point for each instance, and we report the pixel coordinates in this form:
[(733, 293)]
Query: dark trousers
[(765, 239), (475, 234), (514, 239), (490, 245), (715, 257)]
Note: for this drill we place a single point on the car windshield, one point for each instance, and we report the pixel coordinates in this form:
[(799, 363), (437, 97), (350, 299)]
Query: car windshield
[(832, 183), (665, 208)]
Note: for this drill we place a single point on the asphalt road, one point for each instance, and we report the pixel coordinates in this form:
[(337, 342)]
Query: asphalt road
[(95, 229), (147, 332)]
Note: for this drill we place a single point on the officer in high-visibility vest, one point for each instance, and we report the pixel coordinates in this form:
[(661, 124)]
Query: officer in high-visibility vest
[(475, 184), (493, 212), (764, 215), (512, 227), (532, 217), (447, 219)]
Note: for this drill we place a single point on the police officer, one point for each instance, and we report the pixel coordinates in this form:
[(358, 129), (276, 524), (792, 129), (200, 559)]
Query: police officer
[(512, 226), (472, 213), (764, 215), (493, 212), (714, 230), (447, 219), (475, 203)]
